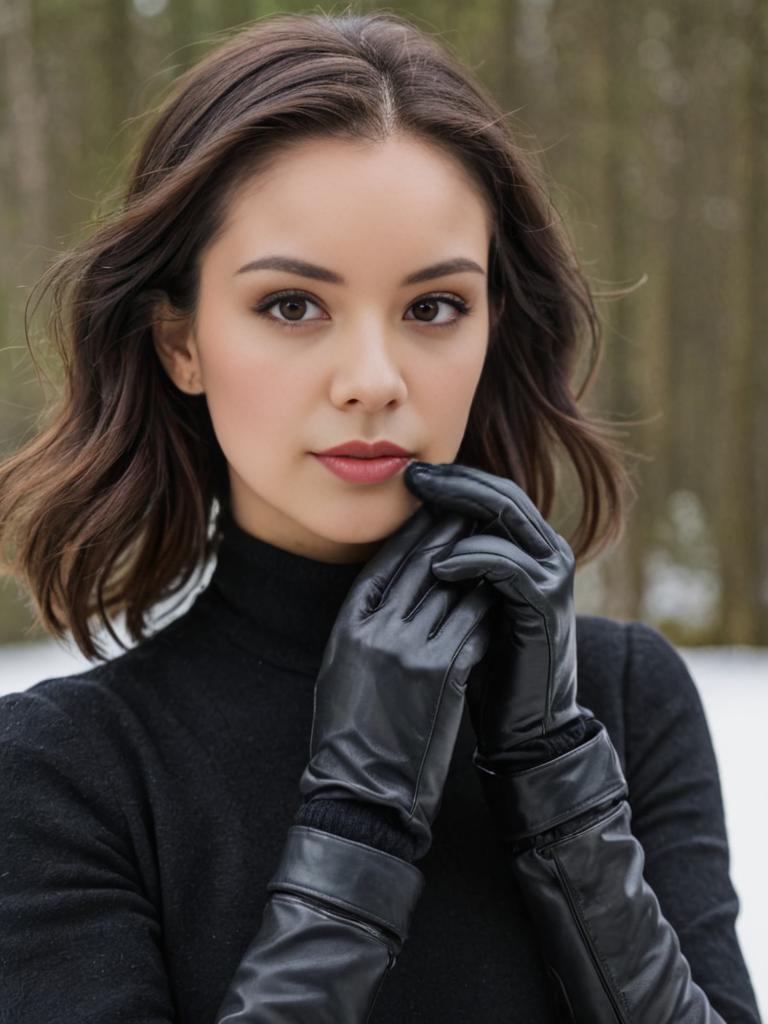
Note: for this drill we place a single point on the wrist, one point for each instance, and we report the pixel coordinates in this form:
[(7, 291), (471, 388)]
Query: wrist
[(373, 887), (538, 749), (532, 800), (371, 824)]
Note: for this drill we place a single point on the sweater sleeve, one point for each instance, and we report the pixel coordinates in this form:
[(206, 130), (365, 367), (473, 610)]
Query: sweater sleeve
[(79, 940), (677, 814)]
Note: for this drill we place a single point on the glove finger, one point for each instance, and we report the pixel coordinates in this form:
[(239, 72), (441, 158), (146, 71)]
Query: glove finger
[(487, 497), (509, 569), (378, 571), (473, 613), (409, 584), (485, 675), (459, 626), (467, 638)]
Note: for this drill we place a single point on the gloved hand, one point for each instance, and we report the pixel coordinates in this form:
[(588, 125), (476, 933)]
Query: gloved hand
[(532, 691), (529, 687), (390, 692), (612, 955), (389, 697)]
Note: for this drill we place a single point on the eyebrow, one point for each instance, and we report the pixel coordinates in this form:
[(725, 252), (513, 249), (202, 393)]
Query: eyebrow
[(292, 265)]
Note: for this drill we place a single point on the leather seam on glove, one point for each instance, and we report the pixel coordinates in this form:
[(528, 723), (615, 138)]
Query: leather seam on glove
[(334, 901), (562, 819), (327, 909), (614, 811), (575, 902), (544, 839), (591, 801), (327, 906)]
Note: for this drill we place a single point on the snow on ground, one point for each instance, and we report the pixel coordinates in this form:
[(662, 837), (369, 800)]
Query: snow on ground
[(733, 683)]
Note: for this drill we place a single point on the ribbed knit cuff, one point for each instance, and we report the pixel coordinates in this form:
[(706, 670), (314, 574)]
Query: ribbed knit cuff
[(364, 822), (545, 748)]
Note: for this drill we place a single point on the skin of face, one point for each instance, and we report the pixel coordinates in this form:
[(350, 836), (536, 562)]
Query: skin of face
[(367, 360)]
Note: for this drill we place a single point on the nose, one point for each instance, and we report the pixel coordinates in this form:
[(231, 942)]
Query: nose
[(367, 369)]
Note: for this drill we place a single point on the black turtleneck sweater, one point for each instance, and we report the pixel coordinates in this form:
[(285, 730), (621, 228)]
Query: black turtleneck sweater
[(144, 804)]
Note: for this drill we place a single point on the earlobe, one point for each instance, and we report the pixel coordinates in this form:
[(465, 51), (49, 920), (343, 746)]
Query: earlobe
[(176, 348)]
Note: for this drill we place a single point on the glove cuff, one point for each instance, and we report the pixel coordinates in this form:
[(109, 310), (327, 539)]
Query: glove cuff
[(368, 883), (535, 799)]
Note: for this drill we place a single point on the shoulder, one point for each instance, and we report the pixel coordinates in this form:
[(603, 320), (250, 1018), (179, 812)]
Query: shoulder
[(72, 814), (123, 681), (601, 639), (86, 718), (635, 657), (51, 766), (635, 681), (657, 679), (655, 708), (74, 751), (601, 649), (661, 699)]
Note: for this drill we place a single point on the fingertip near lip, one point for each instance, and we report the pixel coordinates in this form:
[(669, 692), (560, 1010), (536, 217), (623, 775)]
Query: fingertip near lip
[(417, 480), (418, 470)]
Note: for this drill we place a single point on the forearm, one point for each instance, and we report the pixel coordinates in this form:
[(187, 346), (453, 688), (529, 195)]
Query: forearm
[(337, 916), (613, 954)]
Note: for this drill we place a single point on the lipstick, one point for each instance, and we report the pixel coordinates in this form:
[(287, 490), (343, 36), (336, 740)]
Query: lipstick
[(363, 471), (360, 462)]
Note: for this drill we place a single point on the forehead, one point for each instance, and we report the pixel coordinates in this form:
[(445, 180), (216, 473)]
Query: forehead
[(398, 188)]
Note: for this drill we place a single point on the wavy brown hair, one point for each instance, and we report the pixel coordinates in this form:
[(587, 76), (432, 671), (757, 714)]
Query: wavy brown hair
[(109, 504)]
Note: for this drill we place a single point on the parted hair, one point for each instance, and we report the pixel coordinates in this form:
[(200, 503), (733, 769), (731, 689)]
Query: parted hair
[(109, 507)]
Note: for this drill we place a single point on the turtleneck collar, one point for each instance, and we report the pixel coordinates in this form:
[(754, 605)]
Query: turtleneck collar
[(278, 604)]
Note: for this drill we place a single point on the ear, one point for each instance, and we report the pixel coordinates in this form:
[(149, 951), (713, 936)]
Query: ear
[(176, 345)]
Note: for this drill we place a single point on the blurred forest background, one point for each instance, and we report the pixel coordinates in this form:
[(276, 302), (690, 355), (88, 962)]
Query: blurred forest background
[(650, 121)]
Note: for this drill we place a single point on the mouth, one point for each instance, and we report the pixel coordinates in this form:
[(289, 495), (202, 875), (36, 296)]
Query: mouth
[(363, 469), (367, 450)]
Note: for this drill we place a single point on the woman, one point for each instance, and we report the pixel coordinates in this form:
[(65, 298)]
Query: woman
[(335, 320)]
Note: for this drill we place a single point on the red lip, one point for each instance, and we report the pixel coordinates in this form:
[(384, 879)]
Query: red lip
[(364, 450)]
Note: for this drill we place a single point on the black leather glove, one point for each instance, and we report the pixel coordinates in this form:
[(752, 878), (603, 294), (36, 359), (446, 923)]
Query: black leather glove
[(388, 704), (611, 953)]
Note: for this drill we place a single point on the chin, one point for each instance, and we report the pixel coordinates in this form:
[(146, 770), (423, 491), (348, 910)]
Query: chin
[(369, 526)]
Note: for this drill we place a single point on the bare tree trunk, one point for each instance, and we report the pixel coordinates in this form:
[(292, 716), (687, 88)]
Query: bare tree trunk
[(27, 129), (742, 518)]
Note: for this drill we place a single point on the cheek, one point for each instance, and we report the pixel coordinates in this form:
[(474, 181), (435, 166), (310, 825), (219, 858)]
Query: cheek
[(252, 406), (451, 387), (446, 397)]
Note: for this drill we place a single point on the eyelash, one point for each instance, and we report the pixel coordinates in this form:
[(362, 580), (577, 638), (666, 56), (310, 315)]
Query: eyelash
[(463, 308)]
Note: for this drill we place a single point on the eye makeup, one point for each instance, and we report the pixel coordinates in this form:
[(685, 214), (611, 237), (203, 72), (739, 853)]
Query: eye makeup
[(262, 308)]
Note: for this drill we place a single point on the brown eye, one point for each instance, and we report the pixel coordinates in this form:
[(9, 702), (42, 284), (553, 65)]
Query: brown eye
[(292, 309), (426, 308), (292, 306), (425, 304)]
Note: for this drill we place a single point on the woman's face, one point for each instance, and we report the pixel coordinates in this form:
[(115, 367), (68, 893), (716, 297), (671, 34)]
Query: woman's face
[(369, 356)]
